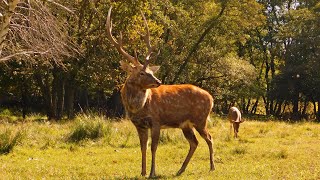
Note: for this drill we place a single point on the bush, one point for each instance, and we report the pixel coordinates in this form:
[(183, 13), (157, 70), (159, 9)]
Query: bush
[(239, 150), (8, 140), (90, 128), (281, 154), (6, 112), (166, 138), (7, 115)]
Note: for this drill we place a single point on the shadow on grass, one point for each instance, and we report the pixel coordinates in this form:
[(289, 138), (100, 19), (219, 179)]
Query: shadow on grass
[(141, 177), (289, 119)]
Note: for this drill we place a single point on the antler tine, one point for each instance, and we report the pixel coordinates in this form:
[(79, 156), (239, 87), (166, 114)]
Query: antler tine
[(146, 38), (118, 44), (135, 54)]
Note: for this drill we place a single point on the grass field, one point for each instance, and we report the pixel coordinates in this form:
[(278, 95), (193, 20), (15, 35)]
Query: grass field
[(264, 150)]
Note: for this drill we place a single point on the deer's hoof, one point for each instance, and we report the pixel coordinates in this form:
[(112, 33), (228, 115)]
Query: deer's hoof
[(180, 172), (212, 168), (152, 175)]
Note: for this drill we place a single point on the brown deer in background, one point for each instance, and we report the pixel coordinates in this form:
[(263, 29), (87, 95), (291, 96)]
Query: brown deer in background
[(151, 105), (234, 117)]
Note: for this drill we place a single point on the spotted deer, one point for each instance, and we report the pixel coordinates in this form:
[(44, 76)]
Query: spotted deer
[(234, 117), (151, 105)]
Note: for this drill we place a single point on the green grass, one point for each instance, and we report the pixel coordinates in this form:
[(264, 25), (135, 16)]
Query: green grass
[(264, 150), (90, 128), (9, 139)]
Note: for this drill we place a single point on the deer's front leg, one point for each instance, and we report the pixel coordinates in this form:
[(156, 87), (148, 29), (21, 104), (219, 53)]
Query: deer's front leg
[(143, 136), (155, 133)]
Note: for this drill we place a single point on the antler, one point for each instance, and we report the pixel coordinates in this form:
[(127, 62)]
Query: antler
[(118, 44), (146, 38)]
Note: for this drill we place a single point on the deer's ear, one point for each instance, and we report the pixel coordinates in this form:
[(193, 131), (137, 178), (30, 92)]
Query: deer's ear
[(154, 69), (126, 66)]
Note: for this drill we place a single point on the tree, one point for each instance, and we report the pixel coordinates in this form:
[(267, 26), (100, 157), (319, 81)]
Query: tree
[(39, 40), (301, 37)]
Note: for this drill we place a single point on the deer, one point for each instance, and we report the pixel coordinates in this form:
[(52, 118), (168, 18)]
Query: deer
[(150, 105), (234, 116)]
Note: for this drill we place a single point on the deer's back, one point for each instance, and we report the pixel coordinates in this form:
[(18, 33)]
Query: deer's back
[(180, 103), (234, 114)]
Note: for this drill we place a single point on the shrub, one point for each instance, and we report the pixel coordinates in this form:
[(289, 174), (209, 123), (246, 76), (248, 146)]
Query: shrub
[(281, 154), (8, 140), (125, 143), (6, 112), (239, 150), (166, 138), (7, 116), (87, 128)]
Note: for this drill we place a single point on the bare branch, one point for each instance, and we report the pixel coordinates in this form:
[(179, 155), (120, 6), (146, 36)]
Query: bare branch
[(34, 30), (24, 53), (60, 5)]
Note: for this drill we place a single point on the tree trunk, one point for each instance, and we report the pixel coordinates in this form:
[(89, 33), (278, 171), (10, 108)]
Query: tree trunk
[(278, 110), (195, 47), (84, 100), (60, 98), (58, 91), (318, 114), (304, 110), (70, 101), (54, 90), (24, 97), (44, 85), (295, 109), (69, 96), (4, 27), (248, 105), (284, 107), (266, 105), (254, 107), (314, 107)]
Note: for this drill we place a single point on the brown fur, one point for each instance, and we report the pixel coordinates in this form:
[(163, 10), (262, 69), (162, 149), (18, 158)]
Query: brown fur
[(167, 106), (234, 117)]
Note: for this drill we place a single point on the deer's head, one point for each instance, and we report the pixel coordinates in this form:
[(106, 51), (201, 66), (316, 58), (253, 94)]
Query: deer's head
[(139, 74)]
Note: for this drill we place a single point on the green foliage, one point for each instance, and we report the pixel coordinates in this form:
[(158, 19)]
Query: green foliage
[(6, 112), (9, 139), (7, 115), (87, 128)]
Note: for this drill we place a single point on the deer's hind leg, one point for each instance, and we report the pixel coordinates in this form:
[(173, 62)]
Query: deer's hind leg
[(190, 136), (236, 126), (207, 137)]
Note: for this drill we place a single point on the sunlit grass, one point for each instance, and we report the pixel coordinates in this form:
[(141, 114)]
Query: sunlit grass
[(9, 139), (264, 150), (90, 128)]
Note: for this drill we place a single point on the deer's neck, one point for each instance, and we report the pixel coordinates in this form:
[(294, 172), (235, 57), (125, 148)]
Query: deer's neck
[(134, 98)]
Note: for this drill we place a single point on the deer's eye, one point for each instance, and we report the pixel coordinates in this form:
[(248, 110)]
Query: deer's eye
[(142, 73)]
